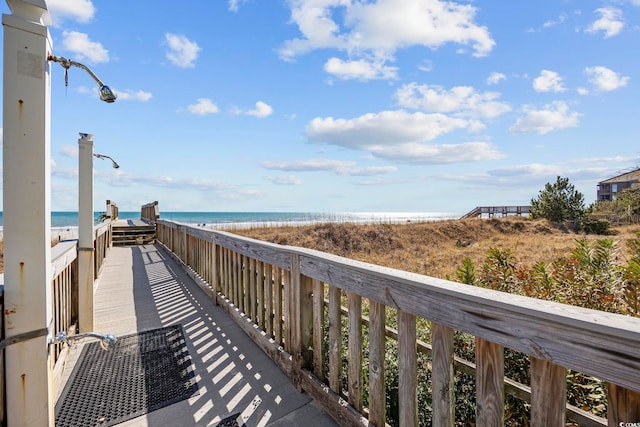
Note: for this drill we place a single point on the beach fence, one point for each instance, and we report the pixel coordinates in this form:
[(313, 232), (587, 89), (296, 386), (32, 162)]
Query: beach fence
[(329, 322)]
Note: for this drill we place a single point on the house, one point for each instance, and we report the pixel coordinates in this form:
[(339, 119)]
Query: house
[(608, 189)]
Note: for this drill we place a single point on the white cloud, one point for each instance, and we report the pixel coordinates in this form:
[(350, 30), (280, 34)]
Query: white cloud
[(495, 78), (83, 48), (384, 128), (182, 51), (554, 22), (285, 180), (130, 95), (378, 29), (310, 165), (605, 79), (203, 107), (551, 117), (415, 153), (401, 136), (360, 69), (234, 5), (77, 10), (548, 81), (610, 22), (68, 150), (463, 100), (340, 167), (262, 110)]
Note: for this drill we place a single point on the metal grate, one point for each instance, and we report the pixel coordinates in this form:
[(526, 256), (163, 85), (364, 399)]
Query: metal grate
[(139, 374)]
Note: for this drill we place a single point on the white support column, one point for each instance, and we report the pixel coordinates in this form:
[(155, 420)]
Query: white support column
[(85, 232), (27, 214)]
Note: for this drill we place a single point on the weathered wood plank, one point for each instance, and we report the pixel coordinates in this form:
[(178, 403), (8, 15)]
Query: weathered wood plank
[(623, 406), (335, 339), (589, 341), (548, 394), (268, 294), (489, 384), (442, 375), (377, 338), (407, 370), (354, 374), (318, 326)]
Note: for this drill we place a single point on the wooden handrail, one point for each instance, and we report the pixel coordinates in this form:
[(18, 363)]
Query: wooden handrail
[(256, 279), (150, 212)]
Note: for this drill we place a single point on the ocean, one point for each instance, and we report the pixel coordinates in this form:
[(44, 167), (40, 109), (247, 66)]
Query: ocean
[(61, 220)]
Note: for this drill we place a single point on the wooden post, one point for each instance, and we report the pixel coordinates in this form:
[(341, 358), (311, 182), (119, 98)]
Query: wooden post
[(407, 370), (355, 351), (335, 339), (28, 305), (377, 338), (548, 394), (318, 324), (300, 318), (442, 375), (623, 406), (489, 384)]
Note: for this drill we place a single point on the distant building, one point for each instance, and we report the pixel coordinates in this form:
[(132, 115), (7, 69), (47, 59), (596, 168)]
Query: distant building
[(608, 189)]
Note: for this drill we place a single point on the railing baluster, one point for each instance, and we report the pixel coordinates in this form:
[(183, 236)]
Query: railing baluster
[(268, 294), (318, 325), (407, 370), (355, 351), (442, 375), (489, 384), (260, 295), (335, 339), (277, 300), (548, 379), (624, 406), (377, 339)]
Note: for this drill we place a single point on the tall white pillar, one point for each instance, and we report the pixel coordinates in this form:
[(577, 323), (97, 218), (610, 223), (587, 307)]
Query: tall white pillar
[(27, 214), (85, 232)]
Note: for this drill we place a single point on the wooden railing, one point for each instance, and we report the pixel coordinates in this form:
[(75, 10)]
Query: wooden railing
[(112, 211), (278, 294), (497, 210), (64, 260), (150, 212), (102, 242)]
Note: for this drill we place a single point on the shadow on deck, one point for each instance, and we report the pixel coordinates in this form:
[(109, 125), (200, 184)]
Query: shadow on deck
[(140, 289)]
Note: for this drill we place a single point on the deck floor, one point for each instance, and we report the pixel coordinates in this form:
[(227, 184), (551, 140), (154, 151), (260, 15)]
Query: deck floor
[(142, 288)]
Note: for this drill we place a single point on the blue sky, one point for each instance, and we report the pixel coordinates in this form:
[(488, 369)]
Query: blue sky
[(344, 105)]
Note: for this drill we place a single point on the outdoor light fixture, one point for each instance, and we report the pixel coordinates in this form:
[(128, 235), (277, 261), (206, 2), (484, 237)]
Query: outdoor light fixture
[(106, 94), (102, 156)]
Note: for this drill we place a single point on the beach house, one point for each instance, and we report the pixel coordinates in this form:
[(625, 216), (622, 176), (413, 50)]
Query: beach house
[(608, 188)]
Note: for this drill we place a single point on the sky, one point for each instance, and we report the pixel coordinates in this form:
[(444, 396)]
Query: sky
[(344, 105)]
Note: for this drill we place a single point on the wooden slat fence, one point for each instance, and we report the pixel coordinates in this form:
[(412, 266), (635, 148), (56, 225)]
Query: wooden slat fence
[(150, 212), (291, 302)]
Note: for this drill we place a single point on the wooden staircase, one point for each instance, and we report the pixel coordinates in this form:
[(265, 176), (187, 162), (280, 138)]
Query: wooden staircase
[(133, 232)]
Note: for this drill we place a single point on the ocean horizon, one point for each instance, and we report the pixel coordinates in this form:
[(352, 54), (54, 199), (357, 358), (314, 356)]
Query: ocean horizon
[(69, 219)]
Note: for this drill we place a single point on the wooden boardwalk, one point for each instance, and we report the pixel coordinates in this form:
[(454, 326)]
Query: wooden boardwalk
[(141, 288)]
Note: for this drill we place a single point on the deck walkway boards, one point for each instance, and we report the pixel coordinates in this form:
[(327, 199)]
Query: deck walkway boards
[(142, 288)]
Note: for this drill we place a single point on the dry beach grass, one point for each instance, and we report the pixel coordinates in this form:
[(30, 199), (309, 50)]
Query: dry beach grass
[(434, 248), (437, 248)]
